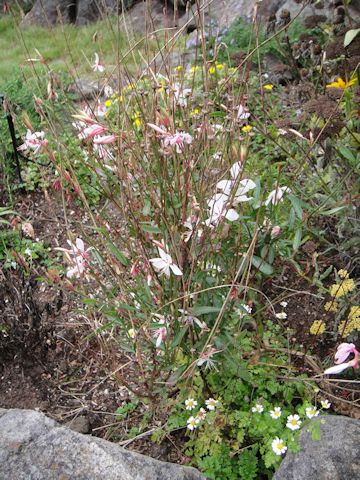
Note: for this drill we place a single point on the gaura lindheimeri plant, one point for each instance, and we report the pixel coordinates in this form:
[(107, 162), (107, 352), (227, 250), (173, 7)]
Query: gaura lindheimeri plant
[(342, 353)]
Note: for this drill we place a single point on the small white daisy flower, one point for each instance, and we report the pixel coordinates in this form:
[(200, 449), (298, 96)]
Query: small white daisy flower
[(311, 412), (211, 403), (201, 414), (281, 315), (325, 404), (190, 404), (278, 446), (293, 422), (192, 423), (284, 304), (276, 413), (258, 408)]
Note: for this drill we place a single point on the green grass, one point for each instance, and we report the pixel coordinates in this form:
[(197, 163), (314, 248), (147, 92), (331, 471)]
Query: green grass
[(63, 47)]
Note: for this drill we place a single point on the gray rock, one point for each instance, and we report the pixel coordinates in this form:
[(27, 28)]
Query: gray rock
[(335, 456), (34, 447)]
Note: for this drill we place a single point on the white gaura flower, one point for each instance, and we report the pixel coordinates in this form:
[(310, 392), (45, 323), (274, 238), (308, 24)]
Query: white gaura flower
[(164, 264), (219, 210), (311, 412), (258, 408), (242, 113), (293, 422), (192, 423), (276, 413), (190, 404), (275, 196), (278, 446), (180, 95), (97, 65), (284, 304), (281, 315)]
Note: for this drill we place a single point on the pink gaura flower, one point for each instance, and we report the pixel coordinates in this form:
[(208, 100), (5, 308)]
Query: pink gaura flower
[(97, 65), (160, 334), (342, 353), (177, 139), (92, 131), (33, 141), (101, 140)]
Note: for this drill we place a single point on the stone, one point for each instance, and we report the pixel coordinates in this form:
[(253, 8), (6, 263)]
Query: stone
[(34, 447), (335, 456)]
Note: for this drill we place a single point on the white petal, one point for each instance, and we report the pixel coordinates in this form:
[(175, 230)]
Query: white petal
[(225, 186), (241, 199), (235, 170), (158, 263), (165, 256), (231, 215), (337, 368), (80, 245), (176, 270), (246, 185)]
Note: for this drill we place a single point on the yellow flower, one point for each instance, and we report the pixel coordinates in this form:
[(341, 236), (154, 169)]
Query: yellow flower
[(331, 306), (196, 111), (343, 273), (344, 85), (194, 69), (212, 70), (108, 103), (246, 129), (317, 328), (219, 66), (179, 68), (341, 289), (352, 323), (268, 86)]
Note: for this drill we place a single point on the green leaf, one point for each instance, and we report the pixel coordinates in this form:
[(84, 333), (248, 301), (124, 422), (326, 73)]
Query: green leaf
[(350, 36), (263, 267), (348, 154), (150, 228), (204, 309), (118, 254), (297, 206), (179, 337), (297, 239)]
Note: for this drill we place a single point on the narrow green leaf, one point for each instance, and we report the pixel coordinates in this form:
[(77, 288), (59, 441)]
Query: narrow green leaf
[(118, 254), (263, 266), (297, 206), (150, 228), (204, 309), (297, 239)]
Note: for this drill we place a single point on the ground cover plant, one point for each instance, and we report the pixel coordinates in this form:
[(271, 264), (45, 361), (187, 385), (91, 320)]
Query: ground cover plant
[(210, 192)]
